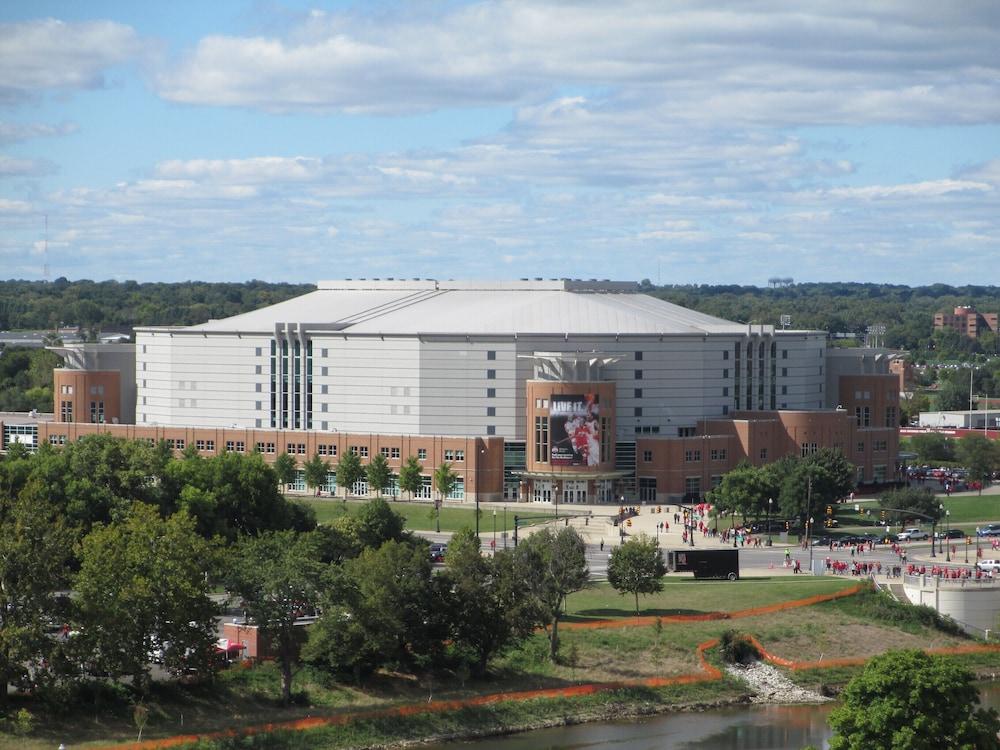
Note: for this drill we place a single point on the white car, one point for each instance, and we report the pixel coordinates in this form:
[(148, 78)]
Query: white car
[(988, 566), (912, 535)]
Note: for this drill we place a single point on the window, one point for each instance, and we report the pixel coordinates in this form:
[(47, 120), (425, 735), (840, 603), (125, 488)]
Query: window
[(866, 417), (230, 446), (686, 431), (638, 392), (393, 452), (422, 454), (449, 455), (692, 486), (638, 356), (458, 490), (647, 456), (66, 390), (638, 411), (716, 480), (491, 393), (807, 449), (65, 411), (784, 372), (324, 353), (57, 440), (269, 448), (879, 446), (718, 454), (384, 451), (360, 450), (491, 429), (691, 456), (784, 390), (784, 354), (763, 454), (725, 373), (542, 440), (257, 370), (324, 389), (491, 411), (97, 412), (199, 444), (725, 390), (890, 416), (325, 449), (256, 351), (459, 455), (725, 354), (97, 390), (638, 374), (725, 409), (491, 374), (861, 446), (491, 355)]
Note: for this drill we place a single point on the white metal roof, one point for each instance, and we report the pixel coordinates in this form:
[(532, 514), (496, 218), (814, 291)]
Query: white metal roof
[(478, 308)]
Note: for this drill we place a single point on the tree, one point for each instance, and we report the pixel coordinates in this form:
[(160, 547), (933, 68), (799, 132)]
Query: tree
[(933, 447), (379, 474), (284, 467), (444, 482), (35, 547), (743, 490), (279, 576), (818, 480), (410, 479), (316, 470), (349, 472), (636, 567), (143, 587), (909, 699), (980, 456), (377, 523), (488, 612), (386, 611), (552, 564), (919, 500)]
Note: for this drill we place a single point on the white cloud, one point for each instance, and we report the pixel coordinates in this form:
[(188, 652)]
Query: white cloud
[(13, 132), (51, 54), (13, 167), (14, 207), (852, 61), (931, 188)]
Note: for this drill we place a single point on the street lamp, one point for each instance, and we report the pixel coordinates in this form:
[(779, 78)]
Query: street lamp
[(770, 501), (494, 530), (809, 543), (734, 528), (947, 548)]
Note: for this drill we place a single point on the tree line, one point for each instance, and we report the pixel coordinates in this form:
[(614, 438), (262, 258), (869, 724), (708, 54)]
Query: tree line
[(141, 539)]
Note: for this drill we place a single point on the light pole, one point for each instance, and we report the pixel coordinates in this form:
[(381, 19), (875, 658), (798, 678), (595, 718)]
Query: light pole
[(734, 528), (947, 549), (770, 501), (809, 543), (494, 529)]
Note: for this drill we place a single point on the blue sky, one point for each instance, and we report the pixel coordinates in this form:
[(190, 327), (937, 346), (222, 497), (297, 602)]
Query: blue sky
[(686, 142)]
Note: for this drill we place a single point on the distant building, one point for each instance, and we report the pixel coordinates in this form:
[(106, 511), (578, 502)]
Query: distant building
[(560, 391), (903, 368), (967, 321)]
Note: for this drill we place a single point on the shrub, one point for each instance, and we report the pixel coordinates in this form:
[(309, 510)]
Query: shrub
[(737, 649)]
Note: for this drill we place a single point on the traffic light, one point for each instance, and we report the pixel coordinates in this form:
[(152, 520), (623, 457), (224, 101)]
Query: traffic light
[(884, 515), (829, 510), (787, 526)]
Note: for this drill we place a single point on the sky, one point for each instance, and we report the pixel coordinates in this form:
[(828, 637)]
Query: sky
[(683, 142)]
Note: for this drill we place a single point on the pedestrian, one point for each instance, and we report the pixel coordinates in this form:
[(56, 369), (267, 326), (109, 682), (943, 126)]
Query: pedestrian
[(602, 545), (788, 558)]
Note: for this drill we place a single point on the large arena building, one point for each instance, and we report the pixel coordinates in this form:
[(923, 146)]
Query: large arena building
[(545, 391)]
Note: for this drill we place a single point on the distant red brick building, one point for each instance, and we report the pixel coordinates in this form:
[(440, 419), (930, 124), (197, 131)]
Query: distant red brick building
[(967, 321)]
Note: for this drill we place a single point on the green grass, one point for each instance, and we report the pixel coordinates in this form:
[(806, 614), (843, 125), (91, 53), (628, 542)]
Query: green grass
[(680, 596), (419, 515)]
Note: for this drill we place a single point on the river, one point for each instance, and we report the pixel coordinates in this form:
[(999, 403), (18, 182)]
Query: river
[(737, 728)]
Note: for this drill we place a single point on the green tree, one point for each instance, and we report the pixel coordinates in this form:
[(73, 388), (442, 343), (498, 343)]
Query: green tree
[(444, 482), (386, 611), (278, 575), (143, 587), (980, 456), (35, 547), (919, 500), (410, 479), (552, 564), (379, 474), (284, 467), (818, 480), (636, 567), (316, 469), (488, 611), (909, 699), (349, 472), (933, 447), (743, 490), (377, 523)]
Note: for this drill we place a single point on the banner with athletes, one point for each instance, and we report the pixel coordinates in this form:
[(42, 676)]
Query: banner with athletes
[(574, 430)]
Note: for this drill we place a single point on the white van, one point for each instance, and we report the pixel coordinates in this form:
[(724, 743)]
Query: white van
[(988, 566)]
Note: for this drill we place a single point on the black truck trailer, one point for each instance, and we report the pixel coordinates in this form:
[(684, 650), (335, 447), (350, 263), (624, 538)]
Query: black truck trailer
[(705, 563)]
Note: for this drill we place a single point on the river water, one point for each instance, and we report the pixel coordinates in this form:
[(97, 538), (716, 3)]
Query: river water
[(737, 728)]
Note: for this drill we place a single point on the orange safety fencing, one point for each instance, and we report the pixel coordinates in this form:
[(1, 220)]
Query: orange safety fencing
[(707, 673)]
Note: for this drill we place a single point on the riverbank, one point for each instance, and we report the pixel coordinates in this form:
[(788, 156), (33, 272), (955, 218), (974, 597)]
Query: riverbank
[(609, 667)]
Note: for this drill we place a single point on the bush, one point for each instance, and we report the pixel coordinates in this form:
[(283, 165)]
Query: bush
[(22, 723), (737, 649), (879, 606)]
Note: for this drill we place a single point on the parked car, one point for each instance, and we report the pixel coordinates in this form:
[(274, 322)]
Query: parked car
[(988, 566), (912, 535), (990, 529), (950, 534), (437, 552)]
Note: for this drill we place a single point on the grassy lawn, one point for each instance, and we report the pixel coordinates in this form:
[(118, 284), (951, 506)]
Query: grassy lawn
[(686, 596), (419, 515), (966, 513)]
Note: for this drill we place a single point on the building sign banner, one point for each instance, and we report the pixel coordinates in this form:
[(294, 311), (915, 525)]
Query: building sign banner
[(574, 430)]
